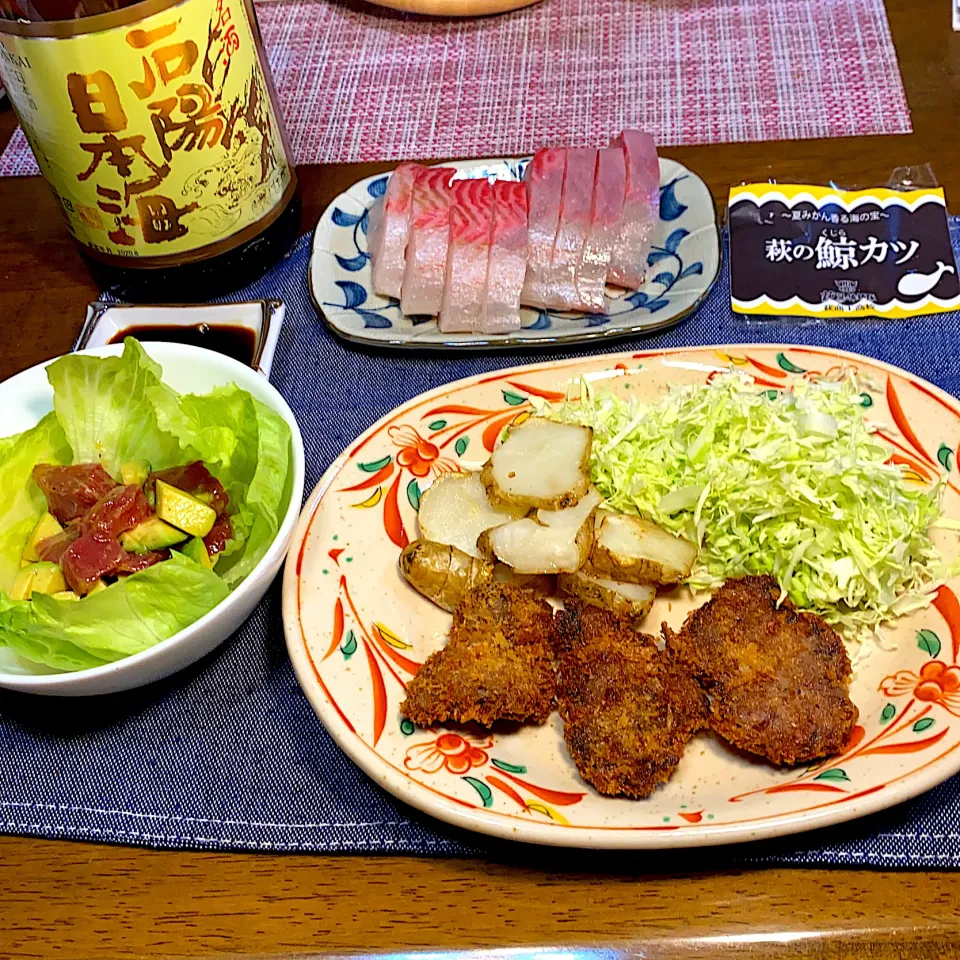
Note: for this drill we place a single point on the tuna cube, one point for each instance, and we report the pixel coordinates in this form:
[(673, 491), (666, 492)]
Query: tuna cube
[(608, 192), (465, 281), (508, 257), (641, 210), (544, 180), (387, 231), (423, 275)]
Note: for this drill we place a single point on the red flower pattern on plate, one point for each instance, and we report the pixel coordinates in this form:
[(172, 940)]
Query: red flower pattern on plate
[(457, 754), (419, 456), (937, 683)]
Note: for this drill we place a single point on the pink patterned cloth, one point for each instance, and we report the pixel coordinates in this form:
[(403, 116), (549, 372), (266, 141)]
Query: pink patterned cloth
[(359, 82)]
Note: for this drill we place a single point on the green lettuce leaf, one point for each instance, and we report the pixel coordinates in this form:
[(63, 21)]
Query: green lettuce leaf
[(247, 447), (21, 502), (131, 615), (106, 406)]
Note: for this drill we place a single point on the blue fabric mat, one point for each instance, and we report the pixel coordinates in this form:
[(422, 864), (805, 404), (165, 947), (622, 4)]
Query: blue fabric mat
[(229, 755)]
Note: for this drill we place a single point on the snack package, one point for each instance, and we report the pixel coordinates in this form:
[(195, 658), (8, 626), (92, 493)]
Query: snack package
[(821, 252)]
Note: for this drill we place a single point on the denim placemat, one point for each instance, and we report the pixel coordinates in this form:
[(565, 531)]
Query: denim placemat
[(229, 755)]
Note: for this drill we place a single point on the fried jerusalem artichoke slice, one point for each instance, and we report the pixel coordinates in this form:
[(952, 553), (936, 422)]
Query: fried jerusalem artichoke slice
[(541, 464), (634, 550), (441, 572), (455, 509), (498, 664), (629, 600), (555, 541)]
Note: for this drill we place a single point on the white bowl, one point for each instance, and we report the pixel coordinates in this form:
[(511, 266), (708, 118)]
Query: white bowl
[(25, 398)]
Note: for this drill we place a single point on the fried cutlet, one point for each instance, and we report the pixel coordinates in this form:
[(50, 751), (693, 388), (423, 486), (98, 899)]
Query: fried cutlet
[(777, 678), (628, 708), (498, 664)]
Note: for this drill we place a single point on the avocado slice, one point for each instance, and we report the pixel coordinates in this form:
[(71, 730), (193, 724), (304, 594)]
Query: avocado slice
[(47, 526), (135, 471), (97, 587), (151, 534), (196, 550), (64, 595), (42, 577), (185, 512)]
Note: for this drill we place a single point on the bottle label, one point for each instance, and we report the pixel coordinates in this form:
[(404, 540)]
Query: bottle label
[(154, 125)]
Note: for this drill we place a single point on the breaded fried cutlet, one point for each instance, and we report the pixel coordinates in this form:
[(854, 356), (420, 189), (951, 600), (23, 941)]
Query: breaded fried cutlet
[(628, 708), (777, 678), (498, 664)]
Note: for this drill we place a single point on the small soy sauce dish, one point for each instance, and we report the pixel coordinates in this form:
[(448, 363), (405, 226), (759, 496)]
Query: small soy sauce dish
[(246, 332)]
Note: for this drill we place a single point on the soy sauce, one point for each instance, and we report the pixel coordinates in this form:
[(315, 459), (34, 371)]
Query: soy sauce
[(232, 341)]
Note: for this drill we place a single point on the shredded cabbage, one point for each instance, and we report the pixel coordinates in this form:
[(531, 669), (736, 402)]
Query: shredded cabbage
[(792, 484)]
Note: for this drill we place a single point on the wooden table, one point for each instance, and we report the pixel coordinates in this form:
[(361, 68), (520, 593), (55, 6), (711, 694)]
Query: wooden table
[(82, 900)]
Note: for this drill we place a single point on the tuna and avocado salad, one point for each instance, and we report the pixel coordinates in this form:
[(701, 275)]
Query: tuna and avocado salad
[(130, 510)]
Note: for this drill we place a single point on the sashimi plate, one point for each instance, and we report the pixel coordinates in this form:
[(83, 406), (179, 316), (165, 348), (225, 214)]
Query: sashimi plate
[(683, 265), (357, 633)]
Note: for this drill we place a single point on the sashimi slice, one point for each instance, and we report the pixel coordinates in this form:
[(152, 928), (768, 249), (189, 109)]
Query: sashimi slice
[(508, 257), (387, 231), (423, 275), (641, 210), (544, 180), (575, 207), (608, 192), (465, 279)]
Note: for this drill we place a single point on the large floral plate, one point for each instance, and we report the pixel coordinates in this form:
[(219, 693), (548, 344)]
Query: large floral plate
[(684, 263), (357, 632)]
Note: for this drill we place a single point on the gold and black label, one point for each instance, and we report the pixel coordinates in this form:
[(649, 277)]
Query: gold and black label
[(801, 250), (154, 126)]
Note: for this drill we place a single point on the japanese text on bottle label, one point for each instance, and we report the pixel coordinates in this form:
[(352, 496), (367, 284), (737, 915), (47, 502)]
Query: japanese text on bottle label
[(158, 137)]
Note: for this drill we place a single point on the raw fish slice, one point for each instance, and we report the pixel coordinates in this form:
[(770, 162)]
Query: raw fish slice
[(641, 210), (461, 309), (465, 282), (508, 257), (423, 275), (575, 207), (608, 193), (388, 228), (544, 180)]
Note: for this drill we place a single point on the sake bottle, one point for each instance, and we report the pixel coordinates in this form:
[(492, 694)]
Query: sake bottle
[(156, 125)]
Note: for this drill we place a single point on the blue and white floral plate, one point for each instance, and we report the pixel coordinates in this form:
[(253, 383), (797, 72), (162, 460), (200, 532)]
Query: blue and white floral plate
[(684, 262)]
